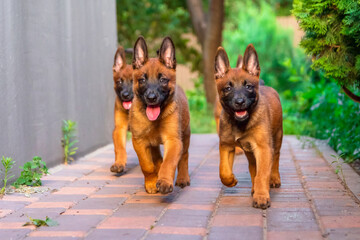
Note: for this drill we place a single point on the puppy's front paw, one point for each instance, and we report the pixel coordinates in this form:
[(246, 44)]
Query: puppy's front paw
[(182, 182), (229, 181), (261, 201), (117, 168), (275, 182), (150, 187), (164, 186)]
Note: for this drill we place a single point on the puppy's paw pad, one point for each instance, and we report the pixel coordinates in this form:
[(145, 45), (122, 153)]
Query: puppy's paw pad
[(164, 187), (117, 168), (262, 202), (182, 182)]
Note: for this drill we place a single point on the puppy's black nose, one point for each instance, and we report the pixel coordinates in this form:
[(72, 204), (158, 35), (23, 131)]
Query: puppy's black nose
[(125, 95), (151, 97), (239, 101)]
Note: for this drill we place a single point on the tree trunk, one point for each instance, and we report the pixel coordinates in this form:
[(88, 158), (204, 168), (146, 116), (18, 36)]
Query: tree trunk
[(213, 38), (209, 34)]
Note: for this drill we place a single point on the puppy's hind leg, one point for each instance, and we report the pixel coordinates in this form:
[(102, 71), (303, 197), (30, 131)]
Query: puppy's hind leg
[(183, 178), (275, 181)]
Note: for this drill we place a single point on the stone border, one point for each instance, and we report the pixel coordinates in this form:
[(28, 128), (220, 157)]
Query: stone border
[(352, 178)]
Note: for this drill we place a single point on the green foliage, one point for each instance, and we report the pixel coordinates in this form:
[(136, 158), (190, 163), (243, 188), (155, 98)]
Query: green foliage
[(69, 140), (334, 117), (332, 37), (155, 19), (31, 173), (247, 23), (48, 222), (201, 114), (8, 164)]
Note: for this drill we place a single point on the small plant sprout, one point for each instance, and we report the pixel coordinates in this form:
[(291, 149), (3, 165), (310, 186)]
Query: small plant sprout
[(69, 139), (48, 222), (338, 166), (31, 173), (8, 164)]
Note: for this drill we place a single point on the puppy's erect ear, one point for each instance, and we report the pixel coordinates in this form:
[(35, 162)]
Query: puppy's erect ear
[(222, 64), (239, 62), (167, 53), (119, 59), (140, 55), (251, 61)]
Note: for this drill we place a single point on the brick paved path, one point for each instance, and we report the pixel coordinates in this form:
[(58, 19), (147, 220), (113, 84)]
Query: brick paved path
[(90, 202)]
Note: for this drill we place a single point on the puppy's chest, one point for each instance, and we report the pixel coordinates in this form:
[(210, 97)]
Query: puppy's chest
[(149, 133), (244, 140)]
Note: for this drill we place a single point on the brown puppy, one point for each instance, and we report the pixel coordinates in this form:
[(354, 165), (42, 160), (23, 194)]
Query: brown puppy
[(218, 108), (122, 74), (252, 119), (159, 115)]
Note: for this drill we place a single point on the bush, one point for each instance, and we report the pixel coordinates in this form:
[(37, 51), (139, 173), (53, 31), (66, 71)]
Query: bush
[(332, 37), (334, 117)]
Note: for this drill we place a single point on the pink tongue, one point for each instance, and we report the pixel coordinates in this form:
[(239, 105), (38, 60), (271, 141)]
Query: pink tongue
[(240, 113), (152, 113), (127, 105)]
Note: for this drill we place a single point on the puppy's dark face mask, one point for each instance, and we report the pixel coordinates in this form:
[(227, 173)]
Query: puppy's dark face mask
[(238, 87), (154, 78)]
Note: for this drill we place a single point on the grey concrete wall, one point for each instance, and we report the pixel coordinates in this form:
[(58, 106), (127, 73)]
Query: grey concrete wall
[(55, 63)]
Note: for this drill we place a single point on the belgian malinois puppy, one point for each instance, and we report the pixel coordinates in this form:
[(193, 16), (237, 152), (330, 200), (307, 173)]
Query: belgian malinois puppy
[(159, 115), (122, 74), (252, 119)]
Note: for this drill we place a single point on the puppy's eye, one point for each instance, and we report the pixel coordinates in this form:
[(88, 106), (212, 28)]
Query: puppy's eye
[(120, 81), (163, 80), (141, 80), (249, 86), (227, 89)]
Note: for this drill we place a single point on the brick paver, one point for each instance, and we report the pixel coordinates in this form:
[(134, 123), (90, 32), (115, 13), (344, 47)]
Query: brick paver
[(90, 202)]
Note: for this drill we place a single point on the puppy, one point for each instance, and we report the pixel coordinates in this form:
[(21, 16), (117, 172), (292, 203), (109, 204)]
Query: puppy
[(122, 74), (159, 115), (251, 119)]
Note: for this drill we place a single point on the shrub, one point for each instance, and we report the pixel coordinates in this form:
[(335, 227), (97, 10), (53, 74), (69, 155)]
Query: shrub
[(332, 37), (31, 173)]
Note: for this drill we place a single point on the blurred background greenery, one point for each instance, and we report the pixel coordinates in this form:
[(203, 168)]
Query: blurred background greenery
[(313, 103)]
